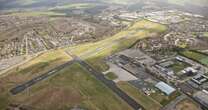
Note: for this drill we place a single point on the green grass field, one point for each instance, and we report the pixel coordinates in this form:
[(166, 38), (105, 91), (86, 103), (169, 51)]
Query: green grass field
[(199, 57)]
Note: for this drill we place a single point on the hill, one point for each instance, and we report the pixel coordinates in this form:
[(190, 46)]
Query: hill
[(201, 3)]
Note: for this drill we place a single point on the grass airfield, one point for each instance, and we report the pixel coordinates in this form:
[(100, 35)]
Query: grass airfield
[(73, 86)]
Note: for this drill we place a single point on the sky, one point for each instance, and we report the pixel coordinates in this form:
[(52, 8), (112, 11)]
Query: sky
[(16, 4)]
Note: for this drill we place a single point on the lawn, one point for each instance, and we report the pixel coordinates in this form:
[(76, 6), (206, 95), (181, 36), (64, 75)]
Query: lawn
[(73, 86), (111, 76), (147, 102), (98, 63), (196, 56), (178, 66)]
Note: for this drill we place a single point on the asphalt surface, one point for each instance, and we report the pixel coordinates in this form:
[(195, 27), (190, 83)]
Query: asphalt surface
[(110, 84), (20, 88), (99, 76)]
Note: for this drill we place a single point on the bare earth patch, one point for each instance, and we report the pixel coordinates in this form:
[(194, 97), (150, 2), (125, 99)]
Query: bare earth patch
[(187, 105)]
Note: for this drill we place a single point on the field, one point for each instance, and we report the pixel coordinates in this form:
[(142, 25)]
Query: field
[(147, 102), (111, 76), (162, 98), (29, 70), (37, 65), (196, 56), (187, 105), (73, 86), (37, 13)]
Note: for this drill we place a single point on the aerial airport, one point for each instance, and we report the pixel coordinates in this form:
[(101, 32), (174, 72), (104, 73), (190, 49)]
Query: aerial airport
[(103, 54)]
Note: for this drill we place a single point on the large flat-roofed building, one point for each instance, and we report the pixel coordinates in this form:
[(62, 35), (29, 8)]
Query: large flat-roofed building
[(202, 97), (168, 90)]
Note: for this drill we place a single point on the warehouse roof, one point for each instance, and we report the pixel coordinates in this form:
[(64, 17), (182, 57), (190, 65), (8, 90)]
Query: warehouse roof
[(165, 88)]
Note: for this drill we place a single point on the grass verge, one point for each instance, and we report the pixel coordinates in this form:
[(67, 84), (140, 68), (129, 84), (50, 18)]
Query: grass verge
[(147, 102)]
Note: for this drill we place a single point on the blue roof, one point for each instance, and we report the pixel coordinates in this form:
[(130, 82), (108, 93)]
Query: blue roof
[(165, 88)]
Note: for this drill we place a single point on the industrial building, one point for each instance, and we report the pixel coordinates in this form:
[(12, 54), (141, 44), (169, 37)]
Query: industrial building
[(168, 90), (200, 79), (202, 97)]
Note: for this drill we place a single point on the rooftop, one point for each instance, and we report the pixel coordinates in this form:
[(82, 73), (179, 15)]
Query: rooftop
[(165, 88)]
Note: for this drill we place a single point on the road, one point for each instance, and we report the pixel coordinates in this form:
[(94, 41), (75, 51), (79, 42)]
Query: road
[(110, 84), (20, 88)]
